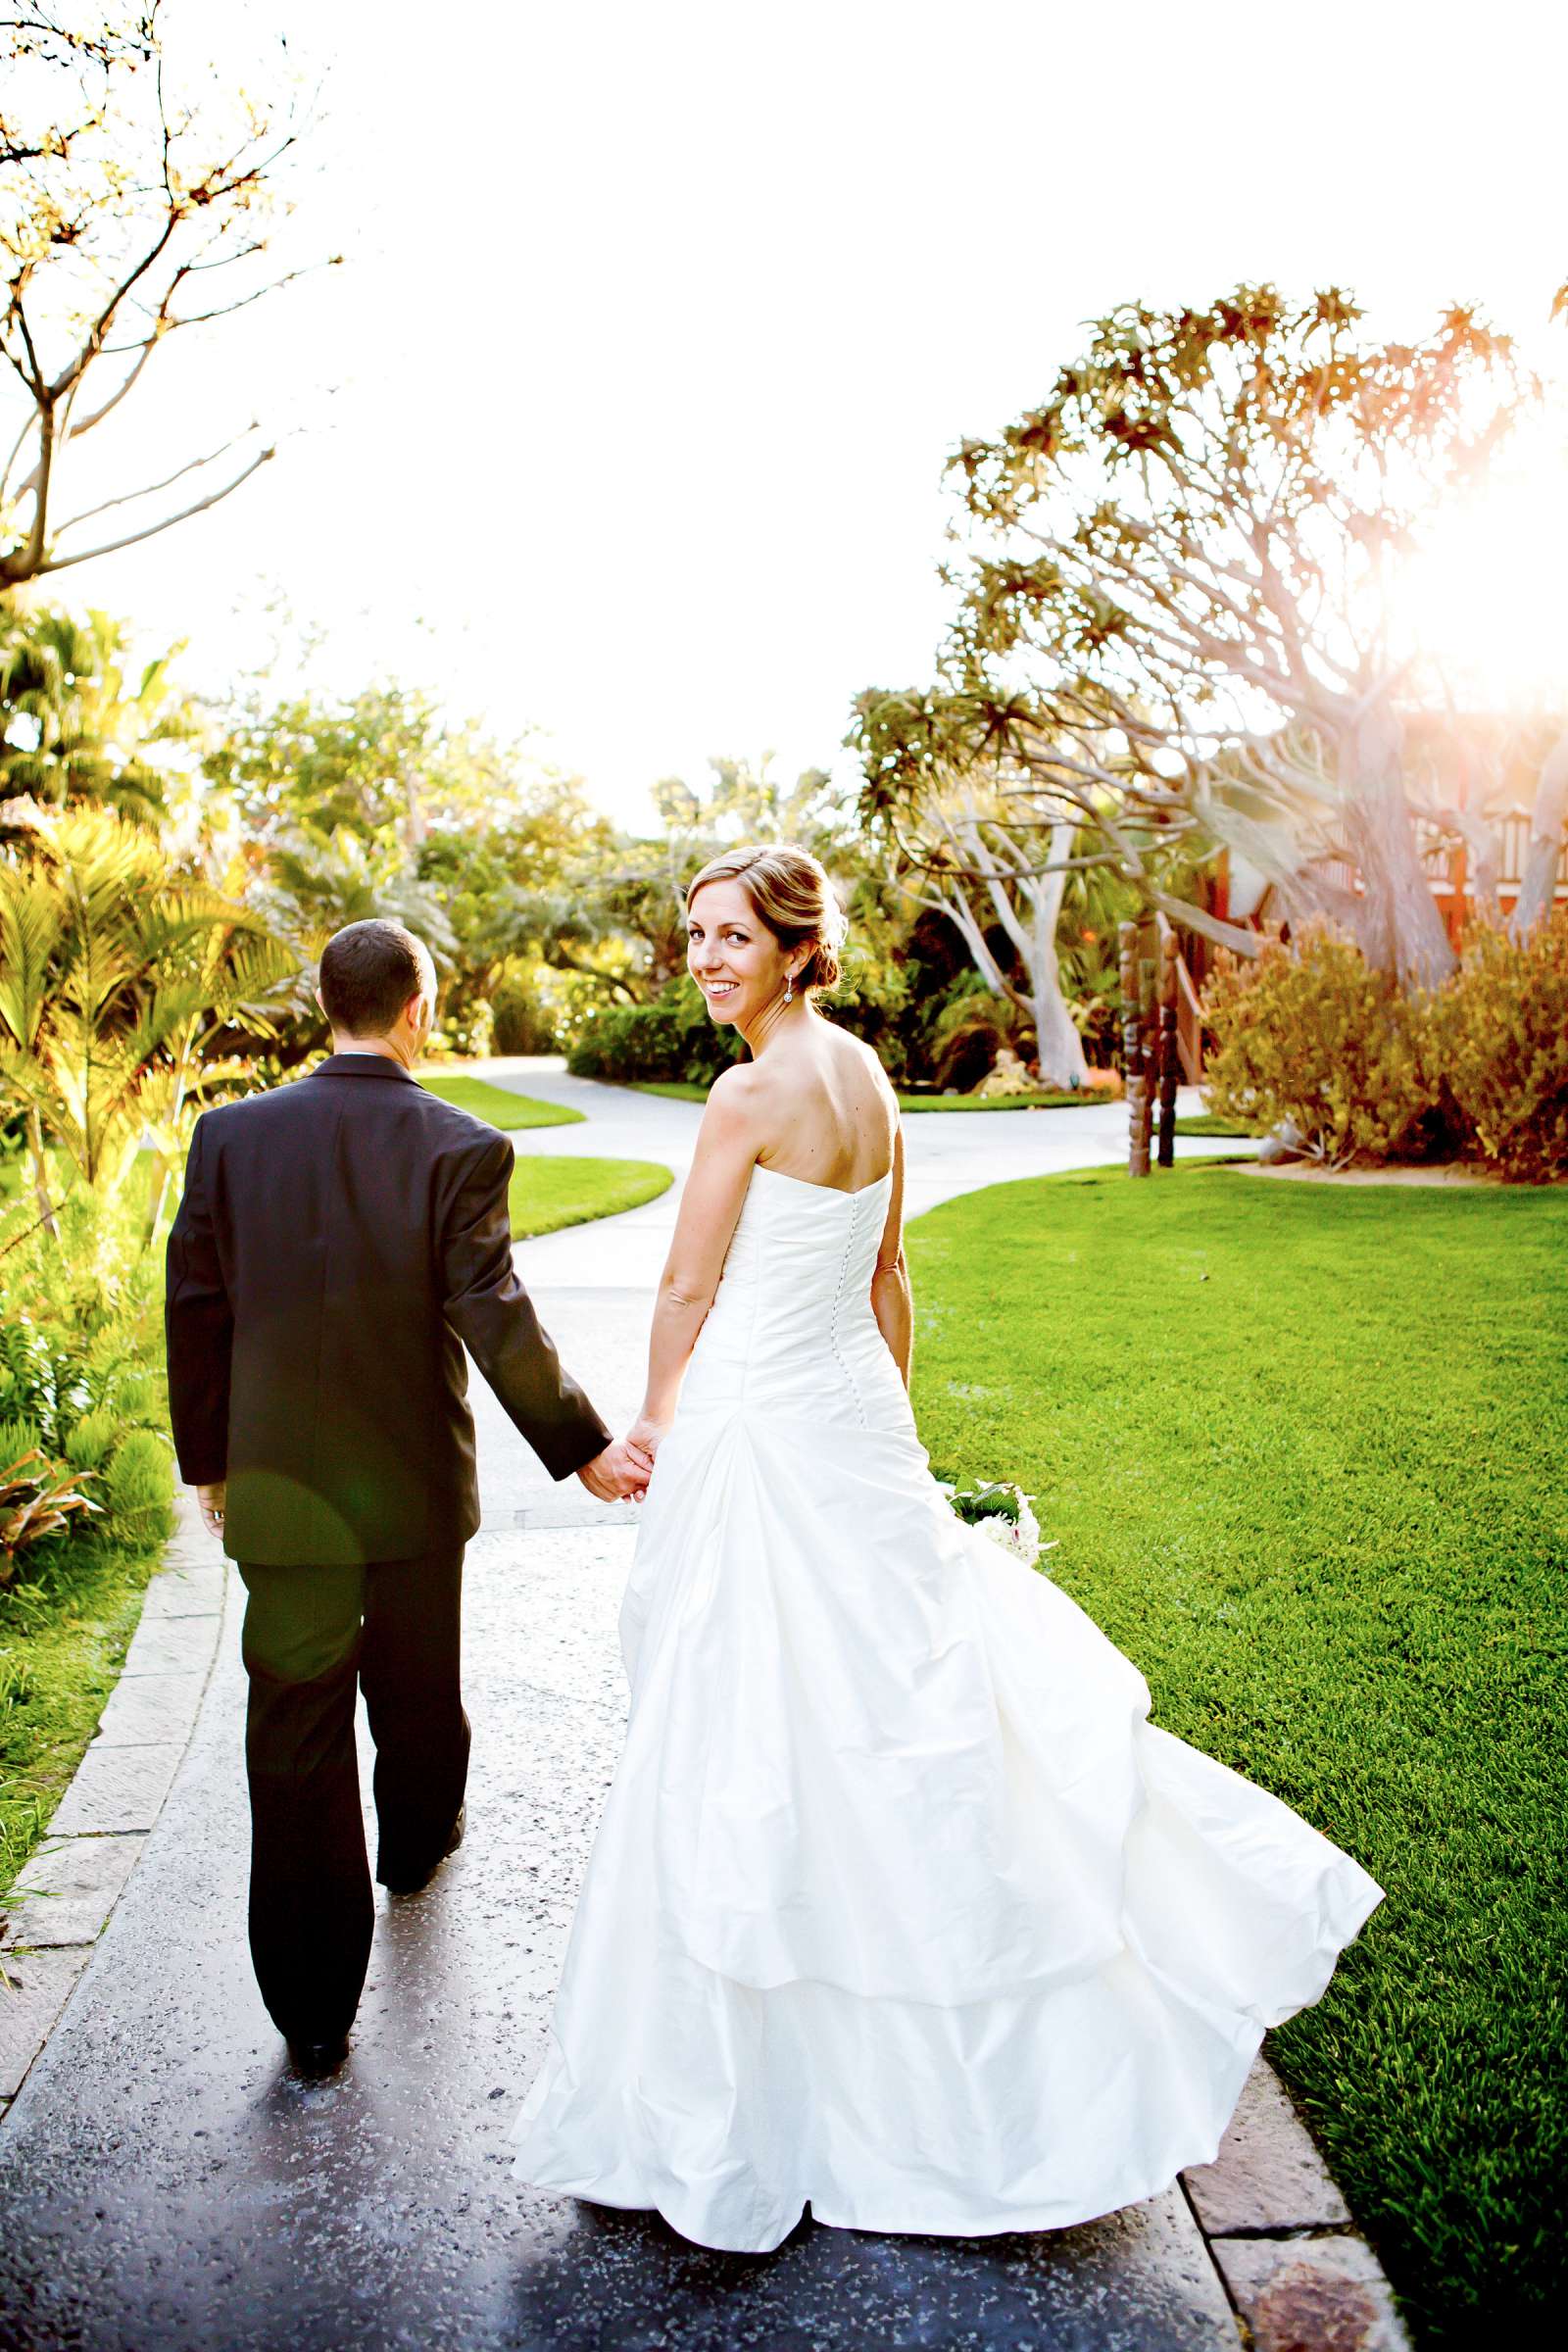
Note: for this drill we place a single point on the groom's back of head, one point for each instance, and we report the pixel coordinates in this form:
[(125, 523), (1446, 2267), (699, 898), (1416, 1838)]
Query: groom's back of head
[(368, 972)]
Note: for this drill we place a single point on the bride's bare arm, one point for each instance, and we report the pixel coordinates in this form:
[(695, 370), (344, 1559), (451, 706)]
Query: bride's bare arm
[(892, 1301), (727, 1145)]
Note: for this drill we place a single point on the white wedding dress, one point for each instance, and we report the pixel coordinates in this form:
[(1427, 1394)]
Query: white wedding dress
[(899, 1906)]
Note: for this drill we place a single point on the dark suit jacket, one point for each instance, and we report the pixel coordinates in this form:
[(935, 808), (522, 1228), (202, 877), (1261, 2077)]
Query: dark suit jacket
[(339, 1242)]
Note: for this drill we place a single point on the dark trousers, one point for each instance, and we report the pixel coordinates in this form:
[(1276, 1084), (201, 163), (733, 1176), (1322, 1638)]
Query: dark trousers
[(313, 1638)]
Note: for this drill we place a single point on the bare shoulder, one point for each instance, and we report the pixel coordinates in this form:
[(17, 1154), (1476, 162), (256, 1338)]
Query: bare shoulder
[(871, 1061), (735, 1083), (734, 1095), (736, 1102), (870, 1079)]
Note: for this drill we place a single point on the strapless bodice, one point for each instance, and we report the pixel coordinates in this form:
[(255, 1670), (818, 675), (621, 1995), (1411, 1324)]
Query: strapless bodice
[(790, 1326)]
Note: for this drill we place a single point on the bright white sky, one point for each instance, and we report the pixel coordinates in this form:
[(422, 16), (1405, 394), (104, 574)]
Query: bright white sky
[(659, 320)]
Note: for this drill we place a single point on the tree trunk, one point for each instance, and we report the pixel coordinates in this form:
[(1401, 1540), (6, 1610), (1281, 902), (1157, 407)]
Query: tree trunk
[(1538, 884), (1399, 926), (1058, 1046), (1060, 1049)]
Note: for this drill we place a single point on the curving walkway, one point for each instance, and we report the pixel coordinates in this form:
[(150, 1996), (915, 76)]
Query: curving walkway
[(166, 2181), (595, 1283)]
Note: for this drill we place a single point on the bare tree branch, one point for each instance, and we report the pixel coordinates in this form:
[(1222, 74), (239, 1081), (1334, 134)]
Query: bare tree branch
[(112, 547), (130, 496), (140, 233)]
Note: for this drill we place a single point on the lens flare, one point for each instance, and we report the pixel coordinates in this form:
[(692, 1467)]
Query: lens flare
[(1484, 600)]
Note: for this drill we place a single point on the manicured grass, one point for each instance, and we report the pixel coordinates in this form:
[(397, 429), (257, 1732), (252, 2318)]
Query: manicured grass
[(60, 1651), (1209, 1122), (1305, 1453), (550, 1191), (682, 1089), (497, 1103)]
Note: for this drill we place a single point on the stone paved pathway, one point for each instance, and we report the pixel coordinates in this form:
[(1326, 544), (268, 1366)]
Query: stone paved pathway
[(165, 2182)]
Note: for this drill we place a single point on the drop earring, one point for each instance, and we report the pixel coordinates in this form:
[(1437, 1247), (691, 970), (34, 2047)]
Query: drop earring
[(789, 988)]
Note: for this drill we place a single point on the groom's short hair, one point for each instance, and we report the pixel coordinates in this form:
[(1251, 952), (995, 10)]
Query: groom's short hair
[(368, 972)]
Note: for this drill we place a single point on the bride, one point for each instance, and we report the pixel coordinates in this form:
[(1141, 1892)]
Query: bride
[(899, 1908)]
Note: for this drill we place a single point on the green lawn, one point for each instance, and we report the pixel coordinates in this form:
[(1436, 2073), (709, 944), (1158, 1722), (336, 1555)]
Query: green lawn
[(60, 1651), (684, 1090), (549, 1191), (1304, 1451), (1209, 1122), (497, 1103)]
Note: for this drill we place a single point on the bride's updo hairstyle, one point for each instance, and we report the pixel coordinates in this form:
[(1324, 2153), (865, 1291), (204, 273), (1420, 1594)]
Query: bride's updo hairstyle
[(791, 894)]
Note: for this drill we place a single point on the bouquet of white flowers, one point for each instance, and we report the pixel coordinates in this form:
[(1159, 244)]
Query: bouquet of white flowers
[(1000, 1511)]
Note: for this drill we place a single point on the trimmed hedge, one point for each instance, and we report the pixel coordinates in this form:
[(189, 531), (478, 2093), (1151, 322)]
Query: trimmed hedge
[(672, 1038)]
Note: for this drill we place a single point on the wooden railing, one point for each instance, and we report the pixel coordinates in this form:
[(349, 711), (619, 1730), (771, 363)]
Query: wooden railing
[(1189, 1009), (1189, 1024)]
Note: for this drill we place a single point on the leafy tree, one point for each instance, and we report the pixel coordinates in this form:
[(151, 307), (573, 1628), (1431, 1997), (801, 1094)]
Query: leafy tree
[(313, 883), (116, 976), (135, 203), (375, 805), (746, 804), (959, 857), (613, 913), (379, 765), (1174, 615), (72, 728), (508, 890)]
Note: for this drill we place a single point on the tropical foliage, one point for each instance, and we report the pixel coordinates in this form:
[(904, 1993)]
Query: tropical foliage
[(75, 730), (118, 973), (81, 1395), (1174, 626), (1318, 1040)]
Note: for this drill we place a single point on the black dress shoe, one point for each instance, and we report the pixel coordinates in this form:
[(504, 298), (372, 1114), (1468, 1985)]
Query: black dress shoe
[(414, 1885), (318, 2057)]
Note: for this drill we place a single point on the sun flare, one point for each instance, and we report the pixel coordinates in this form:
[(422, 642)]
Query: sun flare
[(1486, 597)]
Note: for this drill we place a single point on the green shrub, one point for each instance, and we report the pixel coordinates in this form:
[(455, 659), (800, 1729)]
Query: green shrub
[(1312, 1034), (17, 1437), (81, 1371), (1367, 1071), (674, 1037), (1500, 1037), (522, 1025), (90, 1439), (139, 1490)]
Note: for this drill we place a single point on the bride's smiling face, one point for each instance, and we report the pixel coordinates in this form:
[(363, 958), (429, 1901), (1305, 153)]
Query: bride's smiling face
[(732, 954)]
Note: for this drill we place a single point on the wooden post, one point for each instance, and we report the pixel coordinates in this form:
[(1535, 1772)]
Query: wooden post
[(1133, 1054), (1168, 952), (1147, 1019)]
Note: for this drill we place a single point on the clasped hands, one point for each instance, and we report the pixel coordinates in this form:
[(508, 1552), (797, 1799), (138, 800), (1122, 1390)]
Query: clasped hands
[(620, 1474)]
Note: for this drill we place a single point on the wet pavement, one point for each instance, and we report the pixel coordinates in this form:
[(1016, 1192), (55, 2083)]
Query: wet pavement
[(166, 2181)]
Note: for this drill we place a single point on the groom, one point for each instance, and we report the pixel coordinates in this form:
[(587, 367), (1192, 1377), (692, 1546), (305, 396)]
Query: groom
[(340, 1241)]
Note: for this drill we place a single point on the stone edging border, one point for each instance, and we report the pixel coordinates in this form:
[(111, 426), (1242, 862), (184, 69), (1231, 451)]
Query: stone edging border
[(1281, 2237), (64, 1894)]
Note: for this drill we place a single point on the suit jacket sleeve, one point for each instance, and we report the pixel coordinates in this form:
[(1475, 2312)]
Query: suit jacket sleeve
[(198, 1332), (492, 1315)]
